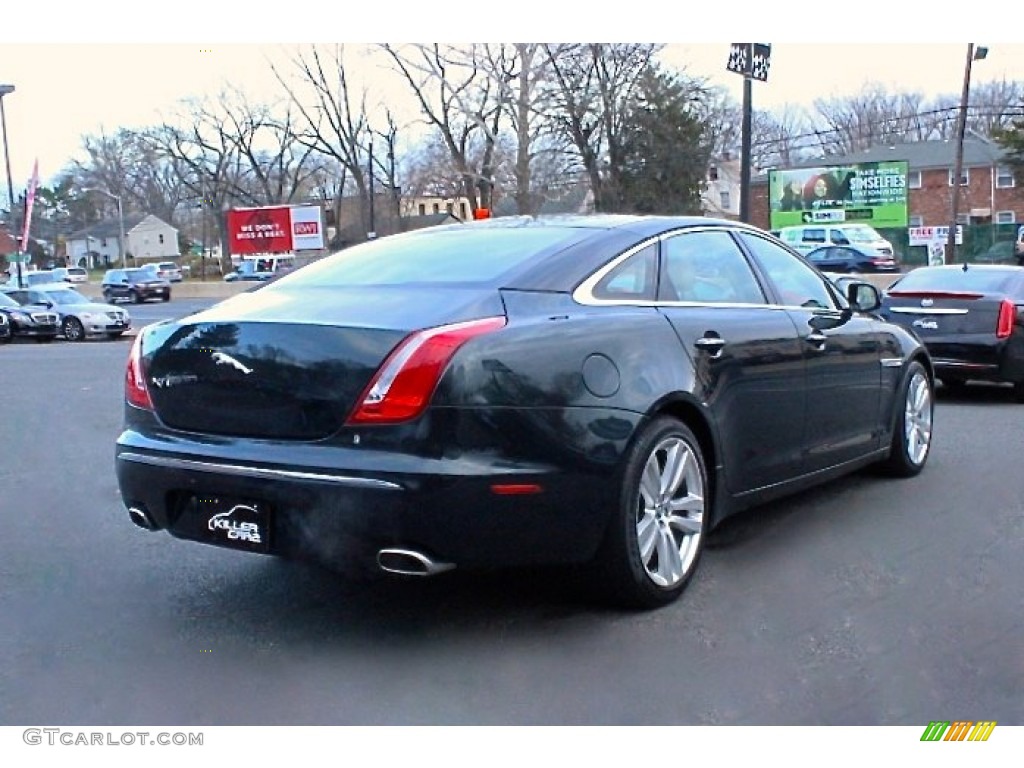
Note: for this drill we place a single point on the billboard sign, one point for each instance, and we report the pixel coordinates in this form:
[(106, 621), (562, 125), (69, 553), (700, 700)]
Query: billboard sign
[(275, 229), (870, 193)]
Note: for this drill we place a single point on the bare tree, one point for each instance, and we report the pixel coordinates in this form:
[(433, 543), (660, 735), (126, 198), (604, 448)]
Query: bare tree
[(459, 96), (129, 166), (592, 86), (780, 138), (277, 168), (334, 120)]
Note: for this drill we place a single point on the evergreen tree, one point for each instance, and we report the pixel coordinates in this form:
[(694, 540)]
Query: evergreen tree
[(665, 149)]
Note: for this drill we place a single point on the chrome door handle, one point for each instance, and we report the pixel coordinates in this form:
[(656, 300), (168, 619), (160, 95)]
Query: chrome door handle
[(713, 345), (817, 339)]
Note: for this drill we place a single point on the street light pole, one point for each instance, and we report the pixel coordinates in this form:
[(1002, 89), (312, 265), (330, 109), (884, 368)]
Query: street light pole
[(122, 243), (4, 90)]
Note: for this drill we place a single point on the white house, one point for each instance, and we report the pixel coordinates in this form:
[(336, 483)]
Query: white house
[(721, 197), (148, 238)]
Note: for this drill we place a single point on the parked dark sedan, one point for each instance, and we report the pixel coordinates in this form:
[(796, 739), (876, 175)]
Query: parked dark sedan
[(588, 390), (5, 329), (33, 321), (136, 285), (851, 259), (971, 317)]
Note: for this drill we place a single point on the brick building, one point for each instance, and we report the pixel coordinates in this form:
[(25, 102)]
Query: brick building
[(989, 194)]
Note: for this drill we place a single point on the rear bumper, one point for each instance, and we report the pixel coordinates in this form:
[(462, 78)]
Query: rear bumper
[(349, 504)]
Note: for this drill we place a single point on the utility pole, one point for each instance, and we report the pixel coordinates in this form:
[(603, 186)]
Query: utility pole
[(961, 129)]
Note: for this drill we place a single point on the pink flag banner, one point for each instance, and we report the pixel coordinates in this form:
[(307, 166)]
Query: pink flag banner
[(30, 199)]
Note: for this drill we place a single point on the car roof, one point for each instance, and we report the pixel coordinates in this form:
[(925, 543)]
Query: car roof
[(579, 244)]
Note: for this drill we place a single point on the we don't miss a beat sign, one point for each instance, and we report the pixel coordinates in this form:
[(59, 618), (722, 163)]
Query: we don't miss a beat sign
[(275, 229)]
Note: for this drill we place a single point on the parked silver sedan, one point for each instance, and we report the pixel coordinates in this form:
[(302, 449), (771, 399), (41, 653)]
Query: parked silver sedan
[(80, 317)]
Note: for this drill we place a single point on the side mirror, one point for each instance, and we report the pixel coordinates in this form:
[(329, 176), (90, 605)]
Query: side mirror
[(863, 297)]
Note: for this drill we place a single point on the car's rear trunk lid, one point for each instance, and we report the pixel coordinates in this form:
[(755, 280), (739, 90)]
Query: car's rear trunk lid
[(279, 366)]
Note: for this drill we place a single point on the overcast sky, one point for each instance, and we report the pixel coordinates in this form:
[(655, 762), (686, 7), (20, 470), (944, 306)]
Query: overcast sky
[(76, 71)]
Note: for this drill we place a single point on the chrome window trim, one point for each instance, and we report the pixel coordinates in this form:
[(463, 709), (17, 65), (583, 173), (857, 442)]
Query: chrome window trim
[(258, 472), (927, 311), (584, 293)]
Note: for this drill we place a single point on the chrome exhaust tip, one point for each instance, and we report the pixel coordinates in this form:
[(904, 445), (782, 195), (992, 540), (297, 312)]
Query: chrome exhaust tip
[(407, 562), (140, 518)]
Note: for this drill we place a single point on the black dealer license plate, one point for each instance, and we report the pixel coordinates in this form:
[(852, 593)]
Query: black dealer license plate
[(226, 521)]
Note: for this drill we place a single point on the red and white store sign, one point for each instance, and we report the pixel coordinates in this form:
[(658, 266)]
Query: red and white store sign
[(275, 229)]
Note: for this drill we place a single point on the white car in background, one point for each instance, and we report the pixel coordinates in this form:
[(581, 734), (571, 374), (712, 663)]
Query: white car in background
[(80, 317), (71, 274), (166, 270)]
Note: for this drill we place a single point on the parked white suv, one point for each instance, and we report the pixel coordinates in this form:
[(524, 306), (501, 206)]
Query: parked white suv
[(806, 237)]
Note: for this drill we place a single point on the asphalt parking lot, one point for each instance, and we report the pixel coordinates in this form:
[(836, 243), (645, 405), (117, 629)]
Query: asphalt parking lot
[(866, 602)]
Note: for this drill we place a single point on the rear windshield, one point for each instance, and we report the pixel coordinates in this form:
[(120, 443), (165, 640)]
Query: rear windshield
[(451, 255), (959, 280)]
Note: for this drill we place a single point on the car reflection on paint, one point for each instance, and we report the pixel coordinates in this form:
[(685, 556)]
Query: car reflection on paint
[(598, 391)]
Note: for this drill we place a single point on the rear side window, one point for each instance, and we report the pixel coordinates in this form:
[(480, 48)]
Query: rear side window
[(633, 280)]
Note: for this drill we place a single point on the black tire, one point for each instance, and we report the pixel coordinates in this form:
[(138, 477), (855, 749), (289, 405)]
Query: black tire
[(1018, 391), (108, 296), (166, 296), (136, 297), (912, 433), (73, 329), (650, 553)]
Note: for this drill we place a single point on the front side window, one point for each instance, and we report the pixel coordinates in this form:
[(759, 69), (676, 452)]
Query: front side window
[(814, 235), (707, 267), (797, 283)]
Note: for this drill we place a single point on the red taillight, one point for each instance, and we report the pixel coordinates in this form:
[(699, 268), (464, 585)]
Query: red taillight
[(1007, 314), (135, 390), (405, 383)]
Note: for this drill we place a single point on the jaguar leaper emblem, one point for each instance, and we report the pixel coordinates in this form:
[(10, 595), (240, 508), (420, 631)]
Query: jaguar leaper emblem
[(221, 358)]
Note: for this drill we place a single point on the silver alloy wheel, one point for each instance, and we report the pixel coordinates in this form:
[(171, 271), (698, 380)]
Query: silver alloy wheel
[(917, 420), (73, 330), (670, 512)]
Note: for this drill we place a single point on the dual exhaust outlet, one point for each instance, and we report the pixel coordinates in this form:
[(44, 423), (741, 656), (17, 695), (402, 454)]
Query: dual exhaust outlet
[(408, 562), (404, 562)]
